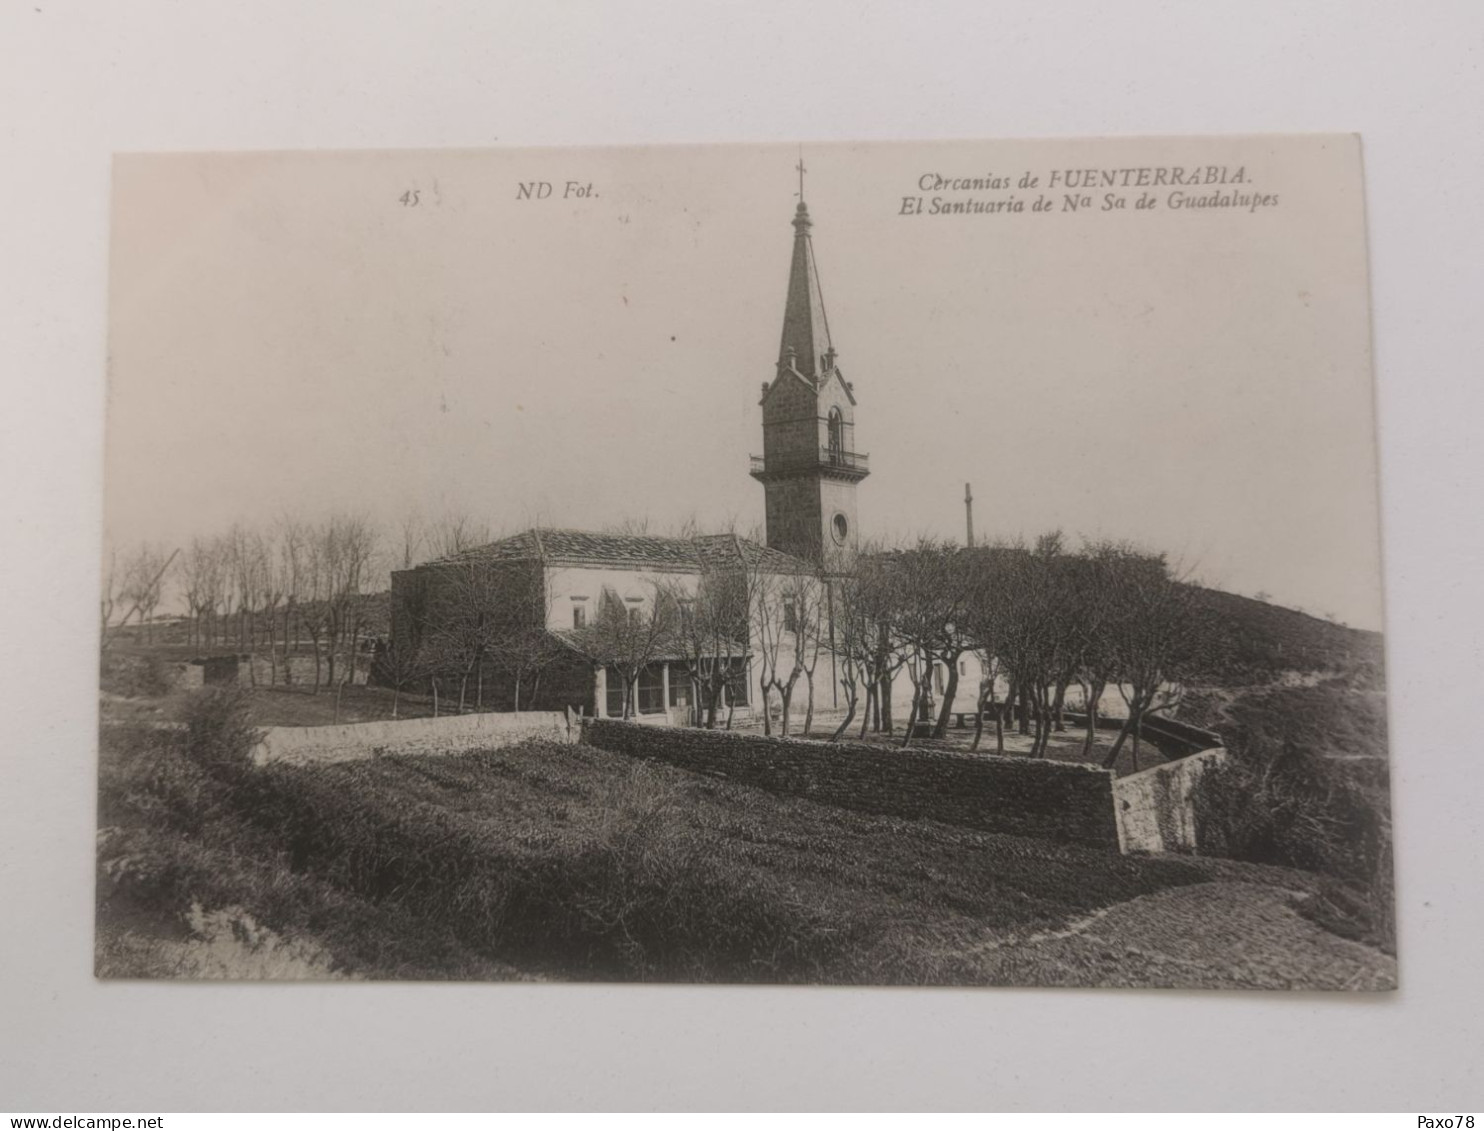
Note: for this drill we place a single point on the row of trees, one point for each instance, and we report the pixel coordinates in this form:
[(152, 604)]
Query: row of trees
[(287, 587), (1041, 620), (276, 591)]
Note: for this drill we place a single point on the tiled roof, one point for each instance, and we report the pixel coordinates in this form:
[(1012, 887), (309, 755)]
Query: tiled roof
[(581, 547), (720, 551)]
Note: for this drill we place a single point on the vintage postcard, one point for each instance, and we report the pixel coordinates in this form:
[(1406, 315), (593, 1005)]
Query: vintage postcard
[(950, 563)]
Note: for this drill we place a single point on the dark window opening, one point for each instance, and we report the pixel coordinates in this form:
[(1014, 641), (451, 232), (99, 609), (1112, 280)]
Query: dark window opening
[(614, 708), (652, 690), (737, 685)]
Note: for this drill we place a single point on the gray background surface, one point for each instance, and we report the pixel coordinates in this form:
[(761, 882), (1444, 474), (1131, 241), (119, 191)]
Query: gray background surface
[(78, 84)]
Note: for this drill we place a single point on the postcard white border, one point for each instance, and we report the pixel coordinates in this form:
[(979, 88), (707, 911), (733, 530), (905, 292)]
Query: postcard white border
[(82, 82)]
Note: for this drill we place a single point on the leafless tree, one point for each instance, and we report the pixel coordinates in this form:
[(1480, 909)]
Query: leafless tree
[(805, 596), (1160, 639), (294, 581), (201, 581), (454, 533), (991, 623), (710, 630), (856, 634), (347, 547), (143, 583), (630, 639), (1099, 593), (923, 598), (768, 624)]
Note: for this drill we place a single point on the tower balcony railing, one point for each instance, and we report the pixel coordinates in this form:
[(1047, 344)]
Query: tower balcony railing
[(857, 462)]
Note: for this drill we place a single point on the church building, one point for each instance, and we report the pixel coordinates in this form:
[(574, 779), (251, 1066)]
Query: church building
[(562, 585)]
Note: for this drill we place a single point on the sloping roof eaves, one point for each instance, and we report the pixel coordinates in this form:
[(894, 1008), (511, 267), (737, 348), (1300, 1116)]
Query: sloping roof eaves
[(580, 547)]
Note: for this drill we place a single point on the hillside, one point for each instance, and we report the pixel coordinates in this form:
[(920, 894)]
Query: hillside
[(1257, 642)]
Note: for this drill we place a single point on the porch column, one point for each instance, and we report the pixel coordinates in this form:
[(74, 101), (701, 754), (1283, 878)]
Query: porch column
[(600, 691), (665, 686)]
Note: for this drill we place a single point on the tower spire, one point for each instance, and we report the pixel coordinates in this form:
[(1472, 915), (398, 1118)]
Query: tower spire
[(810, 467), (806, 345)]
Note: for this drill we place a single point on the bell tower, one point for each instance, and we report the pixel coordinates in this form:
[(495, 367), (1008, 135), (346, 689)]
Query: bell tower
[(810, 467)]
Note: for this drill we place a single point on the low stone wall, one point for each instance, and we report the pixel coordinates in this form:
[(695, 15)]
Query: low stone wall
[(1156, 808), (452, 734), (1173, 730), (1170, 737), (1024, 796)]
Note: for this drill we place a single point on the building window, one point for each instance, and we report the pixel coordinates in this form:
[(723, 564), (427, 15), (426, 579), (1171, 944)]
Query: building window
[(840, 528), (836, 434), (680, 688), (737, 685), (790, 616), (938, 678), (963, 667), (652, 689), (579, 616), (615, 693)]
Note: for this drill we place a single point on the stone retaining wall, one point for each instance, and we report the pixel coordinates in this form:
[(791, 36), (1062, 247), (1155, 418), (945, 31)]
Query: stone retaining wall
[(1027, 797), (452, 734), (1156, 808)]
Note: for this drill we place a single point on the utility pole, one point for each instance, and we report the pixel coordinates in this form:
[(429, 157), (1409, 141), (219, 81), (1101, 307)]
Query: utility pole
[(969, 514)]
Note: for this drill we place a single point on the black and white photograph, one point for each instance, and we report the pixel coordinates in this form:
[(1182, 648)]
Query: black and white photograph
[(896, 563)]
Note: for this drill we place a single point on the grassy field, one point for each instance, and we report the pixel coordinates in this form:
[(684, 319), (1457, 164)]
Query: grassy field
[(567, 862)]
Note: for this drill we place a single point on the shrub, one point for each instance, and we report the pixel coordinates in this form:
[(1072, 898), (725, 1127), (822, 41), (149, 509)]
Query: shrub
[(133, 675), (145, 778), (219, 733), (1302, 811)]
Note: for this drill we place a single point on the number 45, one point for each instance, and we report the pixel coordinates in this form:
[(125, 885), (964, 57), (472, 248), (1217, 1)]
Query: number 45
[(409, 198)]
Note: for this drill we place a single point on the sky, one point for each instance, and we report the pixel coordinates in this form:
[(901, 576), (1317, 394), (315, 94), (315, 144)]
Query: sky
[(395, 333)]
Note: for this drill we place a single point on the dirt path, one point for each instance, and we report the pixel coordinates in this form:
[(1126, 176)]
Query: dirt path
[(1217, 936)]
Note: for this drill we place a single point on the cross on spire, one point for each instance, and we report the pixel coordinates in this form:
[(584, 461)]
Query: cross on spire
[(802, 170)]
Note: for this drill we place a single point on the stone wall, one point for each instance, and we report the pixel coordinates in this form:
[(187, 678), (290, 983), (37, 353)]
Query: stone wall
[(1170, 737), (1023, 796), (1173, 734), (452, 734), (1156, 809)]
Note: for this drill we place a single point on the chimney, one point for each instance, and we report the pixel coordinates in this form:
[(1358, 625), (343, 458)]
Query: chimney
[(969, 514)]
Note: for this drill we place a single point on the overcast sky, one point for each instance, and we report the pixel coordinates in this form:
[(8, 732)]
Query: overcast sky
[(288, 336)]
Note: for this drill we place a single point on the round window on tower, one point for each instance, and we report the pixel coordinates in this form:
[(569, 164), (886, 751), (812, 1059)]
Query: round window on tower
[(840, 528)]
